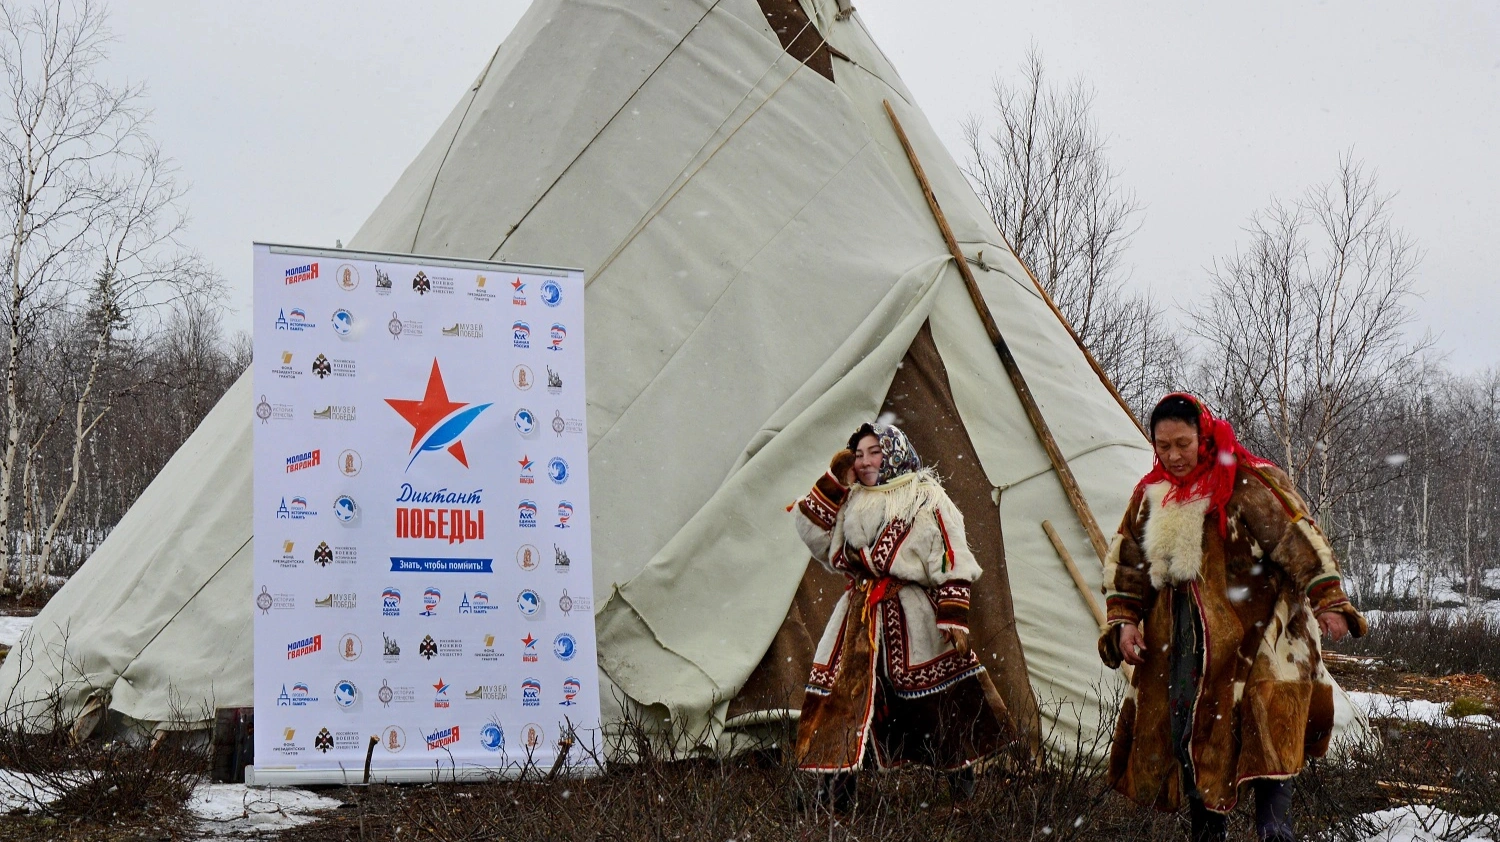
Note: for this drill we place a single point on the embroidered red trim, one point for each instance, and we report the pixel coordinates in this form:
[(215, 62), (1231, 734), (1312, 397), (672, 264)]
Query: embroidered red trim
[(883, 553), (947, 562)]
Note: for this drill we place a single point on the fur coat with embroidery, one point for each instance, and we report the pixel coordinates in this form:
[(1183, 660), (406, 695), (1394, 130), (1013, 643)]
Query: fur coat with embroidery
[(1264, 702), (884, 673)]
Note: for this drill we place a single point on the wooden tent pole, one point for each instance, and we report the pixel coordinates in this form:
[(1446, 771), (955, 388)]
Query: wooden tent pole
[(1088, 355), (1078, 581), (1013, 371), (1083, 588)]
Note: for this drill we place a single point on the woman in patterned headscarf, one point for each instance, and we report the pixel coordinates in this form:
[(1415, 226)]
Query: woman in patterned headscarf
[(893, 673)]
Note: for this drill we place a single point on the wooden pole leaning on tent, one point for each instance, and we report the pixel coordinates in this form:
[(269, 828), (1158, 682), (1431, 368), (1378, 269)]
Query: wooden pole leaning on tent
[(1078, 580), (1013, 371), (1083, 587), (1087, 354)]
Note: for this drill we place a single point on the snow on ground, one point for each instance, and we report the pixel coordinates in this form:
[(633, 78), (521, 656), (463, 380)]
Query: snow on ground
[(223, 809), (1406, 580), (237, 809), (1486, 610), (11, 629), (18, 792), (1422, 823), (1381, 706)]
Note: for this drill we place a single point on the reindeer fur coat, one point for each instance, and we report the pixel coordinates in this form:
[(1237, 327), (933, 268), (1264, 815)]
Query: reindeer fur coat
[(1265, 701)]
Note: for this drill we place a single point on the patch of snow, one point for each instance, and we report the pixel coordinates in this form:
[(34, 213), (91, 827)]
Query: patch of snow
[(236, 808), (1381, 706), (11, 629), (1487, 610), (1423, 823), (1405, 579), (18, 792), (224, 809), (22, 792)]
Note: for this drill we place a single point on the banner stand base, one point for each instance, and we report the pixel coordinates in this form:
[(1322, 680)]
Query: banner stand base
[(274, 777)]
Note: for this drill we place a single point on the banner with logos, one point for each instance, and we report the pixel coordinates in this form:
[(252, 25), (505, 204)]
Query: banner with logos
[(422, 564)]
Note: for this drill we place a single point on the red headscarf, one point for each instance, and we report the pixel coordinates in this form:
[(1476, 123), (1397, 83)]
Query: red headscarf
[(1219, 456)]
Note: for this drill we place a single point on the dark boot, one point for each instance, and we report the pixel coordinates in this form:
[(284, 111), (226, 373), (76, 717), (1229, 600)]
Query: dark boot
[(961, 785), (1208, 826), (1273, 802)]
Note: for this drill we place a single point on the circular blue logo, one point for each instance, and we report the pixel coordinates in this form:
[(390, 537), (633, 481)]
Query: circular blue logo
[(551, 293), (564, 647), (525, 421), (345, 693), (557, 470), (492, 737), (345, 509), (529, 602), (343, 322)]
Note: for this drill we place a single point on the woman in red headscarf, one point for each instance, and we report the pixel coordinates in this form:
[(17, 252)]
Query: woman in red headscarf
[(1217, 585)]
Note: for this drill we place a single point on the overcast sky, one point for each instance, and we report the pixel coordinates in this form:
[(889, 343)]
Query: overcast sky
[(292, 119)]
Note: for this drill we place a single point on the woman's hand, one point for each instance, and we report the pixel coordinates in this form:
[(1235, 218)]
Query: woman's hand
[(842, 466), (960, 640), (1334, 625), (1132, 644)]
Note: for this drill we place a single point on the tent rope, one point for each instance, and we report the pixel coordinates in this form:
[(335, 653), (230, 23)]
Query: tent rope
[(1013, 371), (181, 608), (432, 188)]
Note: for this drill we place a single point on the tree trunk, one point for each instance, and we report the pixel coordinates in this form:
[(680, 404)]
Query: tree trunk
[(81, 433)]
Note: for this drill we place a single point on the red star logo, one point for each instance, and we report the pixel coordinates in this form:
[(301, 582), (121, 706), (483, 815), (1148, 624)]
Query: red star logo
[(440, 686), (425, 414), (526, 463), (528, 640), (517, 285)]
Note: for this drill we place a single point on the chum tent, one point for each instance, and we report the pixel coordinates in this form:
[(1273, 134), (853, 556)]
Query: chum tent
[(763, 274)]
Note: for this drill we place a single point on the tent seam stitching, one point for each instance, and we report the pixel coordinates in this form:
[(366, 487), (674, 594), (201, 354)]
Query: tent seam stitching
[(662, 203)]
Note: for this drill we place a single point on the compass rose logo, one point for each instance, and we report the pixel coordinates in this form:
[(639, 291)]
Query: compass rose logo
[(437, 422)]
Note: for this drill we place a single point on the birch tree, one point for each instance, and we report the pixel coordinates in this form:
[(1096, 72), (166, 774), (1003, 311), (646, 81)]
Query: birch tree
[(89, 213), (1305, 335), (1039, 163)]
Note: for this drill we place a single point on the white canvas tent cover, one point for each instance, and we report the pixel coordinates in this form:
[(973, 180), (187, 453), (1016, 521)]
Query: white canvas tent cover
[(759, 258)]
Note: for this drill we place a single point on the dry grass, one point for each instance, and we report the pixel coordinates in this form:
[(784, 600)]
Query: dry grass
[(1432, 644), (135, 785), (128, 790), (760, 796)]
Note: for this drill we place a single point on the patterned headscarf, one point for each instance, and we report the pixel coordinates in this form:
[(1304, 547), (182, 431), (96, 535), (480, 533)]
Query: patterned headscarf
[(898, 457)]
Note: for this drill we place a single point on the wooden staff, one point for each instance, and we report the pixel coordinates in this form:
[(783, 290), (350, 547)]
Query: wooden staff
[(1028, 402), (1083, 588), (1078, 581)]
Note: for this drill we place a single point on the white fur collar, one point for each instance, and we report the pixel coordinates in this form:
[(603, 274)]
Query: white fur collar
[(900, 499), (870, 508), (1174, 537)]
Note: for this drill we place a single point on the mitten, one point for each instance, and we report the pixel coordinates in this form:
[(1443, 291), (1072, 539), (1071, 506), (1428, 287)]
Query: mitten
[(841, 464)]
